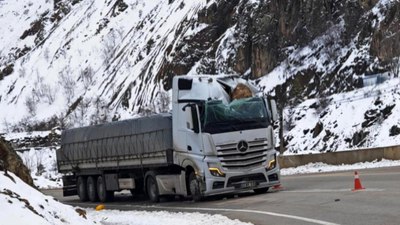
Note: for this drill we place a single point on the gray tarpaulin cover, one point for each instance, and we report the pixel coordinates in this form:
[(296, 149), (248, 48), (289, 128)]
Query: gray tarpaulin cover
[(116, 140)]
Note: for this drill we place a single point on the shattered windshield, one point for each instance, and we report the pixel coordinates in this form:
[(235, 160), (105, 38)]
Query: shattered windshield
[(241, 114)]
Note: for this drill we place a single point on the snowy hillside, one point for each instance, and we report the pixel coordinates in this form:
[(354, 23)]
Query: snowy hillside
[(367, 117), (97, 59), (71, 63)]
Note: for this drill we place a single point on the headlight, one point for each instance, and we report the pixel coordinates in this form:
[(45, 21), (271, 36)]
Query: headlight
[(215, 170), (271, 164)]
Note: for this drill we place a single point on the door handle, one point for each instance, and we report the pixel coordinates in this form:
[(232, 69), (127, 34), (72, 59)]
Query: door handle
[(189, 148)]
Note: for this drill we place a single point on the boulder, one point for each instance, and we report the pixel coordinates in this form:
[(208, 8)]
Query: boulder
[(13, 163)]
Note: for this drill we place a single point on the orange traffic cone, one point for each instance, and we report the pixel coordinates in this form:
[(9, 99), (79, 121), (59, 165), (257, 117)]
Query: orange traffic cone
[(357, 182)]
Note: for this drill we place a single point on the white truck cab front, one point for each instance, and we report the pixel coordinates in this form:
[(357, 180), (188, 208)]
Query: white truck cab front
[(222, 133)]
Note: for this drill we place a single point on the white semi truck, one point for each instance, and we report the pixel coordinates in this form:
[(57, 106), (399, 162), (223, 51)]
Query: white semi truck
[(218, 140)]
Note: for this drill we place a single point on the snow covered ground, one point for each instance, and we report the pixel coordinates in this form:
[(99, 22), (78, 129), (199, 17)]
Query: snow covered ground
[(323, 167), (43, 166), (22, 204), (115, 217)]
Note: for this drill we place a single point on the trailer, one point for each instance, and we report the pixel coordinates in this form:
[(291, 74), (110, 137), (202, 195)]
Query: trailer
[(115, 156)]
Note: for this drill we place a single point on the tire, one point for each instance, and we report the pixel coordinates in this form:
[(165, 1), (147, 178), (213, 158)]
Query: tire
[(261, 190), (82, 189), (151, 188), (91, 189), (104, 195), (194, 187)]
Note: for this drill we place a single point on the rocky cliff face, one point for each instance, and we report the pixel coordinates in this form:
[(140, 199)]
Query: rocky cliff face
[(13, 163), (255, 37)]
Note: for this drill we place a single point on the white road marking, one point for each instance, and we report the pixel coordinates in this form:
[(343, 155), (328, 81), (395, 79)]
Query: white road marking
[(310, 220), (333, 190)]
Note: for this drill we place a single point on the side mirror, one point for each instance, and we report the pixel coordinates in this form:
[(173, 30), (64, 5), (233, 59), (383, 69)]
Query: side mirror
[(274, 109)]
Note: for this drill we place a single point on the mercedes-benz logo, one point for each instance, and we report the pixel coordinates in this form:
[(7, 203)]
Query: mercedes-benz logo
[(242, 146)]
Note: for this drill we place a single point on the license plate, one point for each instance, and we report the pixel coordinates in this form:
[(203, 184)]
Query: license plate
[(247, 184)]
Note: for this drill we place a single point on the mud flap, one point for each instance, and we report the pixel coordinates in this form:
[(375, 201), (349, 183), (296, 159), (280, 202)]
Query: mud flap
[(69, 185)]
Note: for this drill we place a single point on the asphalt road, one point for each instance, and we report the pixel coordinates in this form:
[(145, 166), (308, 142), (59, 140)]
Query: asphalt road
[(305, 199)]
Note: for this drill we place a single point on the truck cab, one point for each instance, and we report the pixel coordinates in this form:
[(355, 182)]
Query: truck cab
[(223, 135)]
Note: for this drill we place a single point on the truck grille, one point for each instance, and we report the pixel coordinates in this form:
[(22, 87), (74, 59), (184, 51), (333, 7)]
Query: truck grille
[(231, 158)]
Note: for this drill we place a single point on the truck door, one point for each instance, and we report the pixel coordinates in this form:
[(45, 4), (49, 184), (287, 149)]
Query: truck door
[(194, 142)]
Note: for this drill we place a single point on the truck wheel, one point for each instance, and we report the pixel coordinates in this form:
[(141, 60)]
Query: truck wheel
[(261, 190), (194, 187), (104, 195), (81, 189), (152, 189), (91, 189)]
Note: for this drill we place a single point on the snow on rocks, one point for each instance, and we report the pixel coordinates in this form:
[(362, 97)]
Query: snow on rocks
[(22, 204), (320, 167)]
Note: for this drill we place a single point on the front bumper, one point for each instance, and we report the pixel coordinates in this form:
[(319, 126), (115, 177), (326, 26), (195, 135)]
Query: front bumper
[(236, 182)]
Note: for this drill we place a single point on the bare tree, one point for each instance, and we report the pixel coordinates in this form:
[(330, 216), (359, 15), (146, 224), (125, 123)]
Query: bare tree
[(49, 93), (87, 76), (102, 111), (28, 161), (22, 72), (43, 91), (164, 101), (67, 83), (40, 169), (6, 125), (108, 50), (395, 66), (46, 54), (289, 122), (30, 104), (110, 41), (81, 112), (147, 110), (331, 42)]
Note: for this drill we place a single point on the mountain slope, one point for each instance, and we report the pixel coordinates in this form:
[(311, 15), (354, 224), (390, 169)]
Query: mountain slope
[(79, 62), (99, 56)]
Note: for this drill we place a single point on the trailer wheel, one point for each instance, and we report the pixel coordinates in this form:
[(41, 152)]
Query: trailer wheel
[(82, 189), (194, 187), (261, 190), (152, 189), (91, 189), (104, 195)]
